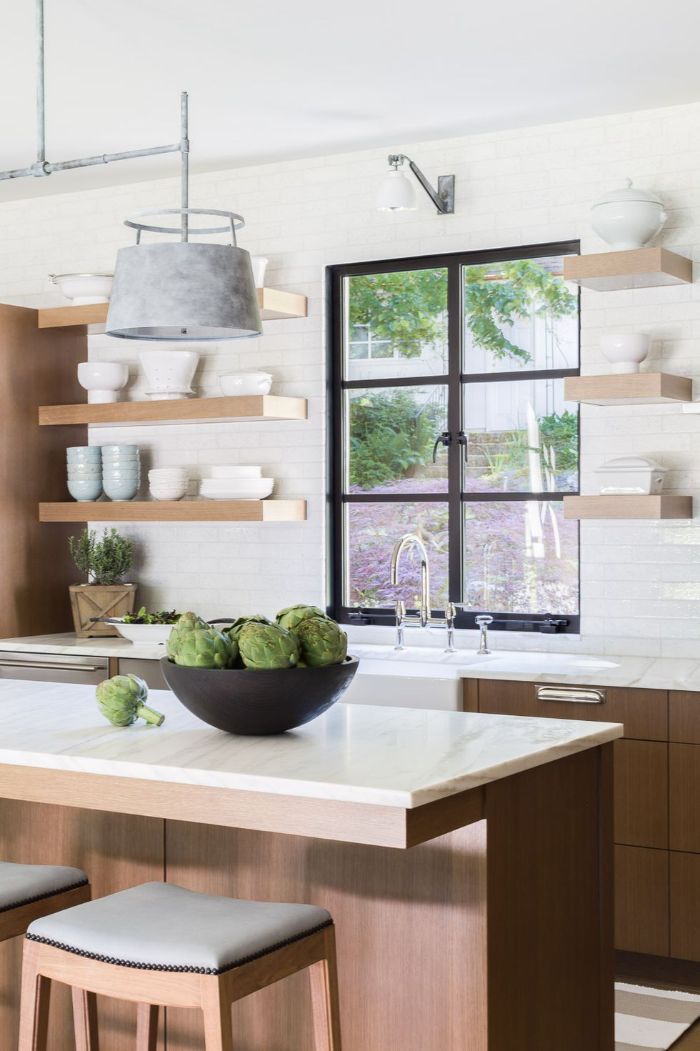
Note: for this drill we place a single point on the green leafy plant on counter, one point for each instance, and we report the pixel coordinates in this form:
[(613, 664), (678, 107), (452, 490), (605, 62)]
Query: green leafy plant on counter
[(161, 616), (122, 700), (105, 560)]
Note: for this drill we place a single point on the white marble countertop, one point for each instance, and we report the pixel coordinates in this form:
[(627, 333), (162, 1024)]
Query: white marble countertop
[(357, 753), (655, 673)]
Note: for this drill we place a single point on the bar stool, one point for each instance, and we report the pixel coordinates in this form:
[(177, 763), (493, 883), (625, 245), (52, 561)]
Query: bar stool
[(161, 945), (30, 891)]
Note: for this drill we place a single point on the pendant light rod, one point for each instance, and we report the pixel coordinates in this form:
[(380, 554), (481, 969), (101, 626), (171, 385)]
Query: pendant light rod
[(42, 167), (40, 88), (185, 166)]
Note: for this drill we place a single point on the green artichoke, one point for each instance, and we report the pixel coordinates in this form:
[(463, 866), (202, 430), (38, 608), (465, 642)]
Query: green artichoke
[(234, 631), (203, 648), (266, 646), (187, 622), (291, 617), (322, 642), (121, 700)]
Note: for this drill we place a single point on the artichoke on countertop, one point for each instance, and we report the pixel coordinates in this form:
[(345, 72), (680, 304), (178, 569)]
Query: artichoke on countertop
[(291, 617), (121, 700), (267, 646), (322, 642)]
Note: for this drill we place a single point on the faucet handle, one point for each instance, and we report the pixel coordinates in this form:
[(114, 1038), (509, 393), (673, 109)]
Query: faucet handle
[(484, 619)]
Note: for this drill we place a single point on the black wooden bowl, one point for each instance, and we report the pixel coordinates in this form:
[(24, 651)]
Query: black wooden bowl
[(259, 702)]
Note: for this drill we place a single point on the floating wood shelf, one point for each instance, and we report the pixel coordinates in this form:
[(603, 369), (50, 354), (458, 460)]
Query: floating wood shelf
[(175, 511), (639, 268), (249, 409), (639, 388), (611, 505), (275, 305)]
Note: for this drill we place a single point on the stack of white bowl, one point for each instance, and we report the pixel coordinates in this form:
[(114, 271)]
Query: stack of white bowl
[(84, 472), (121, 471), (168, 483), (236, 483)]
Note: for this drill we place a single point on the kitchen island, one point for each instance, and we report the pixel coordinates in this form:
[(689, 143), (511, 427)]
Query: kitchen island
[(465, 858)]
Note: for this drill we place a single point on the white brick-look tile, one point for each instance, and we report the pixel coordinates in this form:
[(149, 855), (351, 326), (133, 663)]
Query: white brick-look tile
[(640, 581)]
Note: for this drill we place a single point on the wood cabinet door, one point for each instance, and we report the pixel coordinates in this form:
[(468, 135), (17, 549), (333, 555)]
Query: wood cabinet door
[(641, 900), (684, 786), (685, 906), (644, 713), (684, 717), (641, 793)]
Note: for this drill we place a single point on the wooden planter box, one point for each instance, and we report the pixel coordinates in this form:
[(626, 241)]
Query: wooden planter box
[(100, 600)]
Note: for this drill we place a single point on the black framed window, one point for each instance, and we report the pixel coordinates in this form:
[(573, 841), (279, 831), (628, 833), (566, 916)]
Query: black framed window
[(448, 420)]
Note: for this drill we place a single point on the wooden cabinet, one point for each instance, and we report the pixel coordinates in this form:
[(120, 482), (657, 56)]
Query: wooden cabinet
[(643, 712), (644, 888), (684, 784), (641, 900), (641, 793), (685, 906), (684, 717)]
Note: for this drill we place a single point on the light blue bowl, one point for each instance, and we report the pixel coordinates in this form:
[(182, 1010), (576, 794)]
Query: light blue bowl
[(85, 476), (110, 451), (121, 476), (84, 454), (89, 489), (126, 490)]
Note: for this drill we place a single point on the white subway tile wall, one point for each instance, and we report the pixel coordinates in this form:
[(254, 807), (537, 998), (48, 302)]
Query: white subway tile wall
[(640, 581)]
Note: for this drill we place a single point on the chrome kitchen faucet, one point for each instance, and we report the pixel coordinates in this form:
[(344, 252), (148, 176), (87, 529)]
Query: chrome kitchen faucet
[(423, 619)]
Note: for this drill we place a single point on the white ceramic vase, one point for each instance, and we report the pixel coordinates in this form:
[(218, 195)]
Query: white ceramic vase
[(625, 351), (102, 380)]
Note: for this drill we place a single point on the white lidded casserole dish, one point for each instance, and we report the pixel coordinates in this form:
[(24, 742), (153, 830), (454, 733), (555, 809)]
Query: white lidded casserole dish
[(631, 474)]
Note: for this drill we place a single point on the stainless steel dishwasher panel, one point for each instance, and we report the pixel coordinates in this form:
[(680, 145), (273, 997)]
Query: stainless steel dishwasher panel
[(149, 671), (53, 667)]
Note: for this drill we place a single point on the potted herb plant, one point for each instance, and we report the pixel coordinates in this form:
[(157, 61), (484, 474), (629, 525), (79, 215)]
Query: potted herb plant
[(105, 561)]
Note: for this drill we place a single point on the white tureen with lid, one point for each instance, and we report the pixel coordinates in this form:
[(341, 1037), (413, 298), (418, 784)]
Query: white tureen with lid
[(631, 474), (628, 217)]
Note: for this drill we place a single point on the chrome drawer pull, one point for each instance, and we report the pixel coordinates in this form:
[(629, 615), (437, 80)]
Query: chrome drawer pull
[(574, 695), (41, 666)]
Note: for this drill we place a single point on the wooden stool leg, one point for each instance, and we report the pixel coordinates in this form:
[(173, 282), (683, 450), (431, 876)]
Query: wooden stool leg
[(216, 1006), (147, 1027), (85, 1020), (34, 1007), (325, 999)]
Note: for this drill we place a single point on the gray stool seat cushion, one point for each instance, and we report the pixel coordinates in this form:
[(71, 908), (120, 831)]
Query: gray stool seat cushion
[(24, 884), (163, 927)]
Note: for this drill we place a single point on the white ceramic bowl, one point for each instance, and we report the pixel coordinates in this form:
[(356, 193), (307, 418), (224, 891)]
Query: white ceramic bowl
[(84, 288), (156, 634), (625, 351), (232, 489), (85, 489), (84, 454), (231, 471), (102, 379), (169, 372), (242, 383), (167, 474), (109, 451)]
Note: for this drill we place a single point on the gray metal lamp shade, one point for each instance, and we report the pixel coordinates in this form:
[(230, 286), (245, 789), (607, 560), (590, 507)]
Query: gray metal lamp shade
[(183, 290)]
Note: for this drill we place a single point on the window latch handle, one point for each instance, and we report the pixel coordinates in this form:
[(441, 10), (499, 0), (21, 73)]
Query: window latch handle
[(463, 440), (442, 439)]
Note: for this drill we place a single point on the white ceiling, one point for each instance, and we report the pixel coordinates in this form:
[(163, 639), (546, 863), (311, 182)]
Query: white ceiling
[(270, 80)]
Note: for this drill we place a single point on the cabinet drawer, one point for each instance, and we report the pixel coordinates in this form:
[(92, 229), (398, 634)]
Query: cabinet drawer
[(685, 906), (641, 900), (641, 793), (684, 787), (684, 717), (643, 712)]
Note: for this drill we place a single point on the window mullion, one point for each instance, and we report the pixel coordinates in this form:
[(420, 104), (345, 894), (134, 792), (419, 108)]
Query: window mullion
[(454, 425)]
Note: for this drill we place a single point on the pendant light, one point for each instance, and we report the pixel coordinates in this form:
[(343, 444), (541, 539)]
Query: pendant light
[(184, 290)]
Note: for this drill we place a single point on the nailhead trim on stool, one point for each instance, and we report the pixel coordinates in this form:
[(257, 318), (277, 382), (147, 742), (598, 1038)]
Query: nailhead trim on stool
[(42, 897), (172, 968)]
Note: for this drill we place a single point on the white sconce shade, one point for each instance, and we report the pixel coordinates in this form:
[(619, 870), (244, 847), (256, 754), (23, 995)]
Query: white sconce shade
[(396, 193)]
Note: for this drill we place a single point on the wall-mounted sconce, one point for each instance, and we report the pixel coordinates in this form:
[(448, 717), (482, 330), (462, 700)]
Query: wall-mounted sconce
[(397, 193)]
